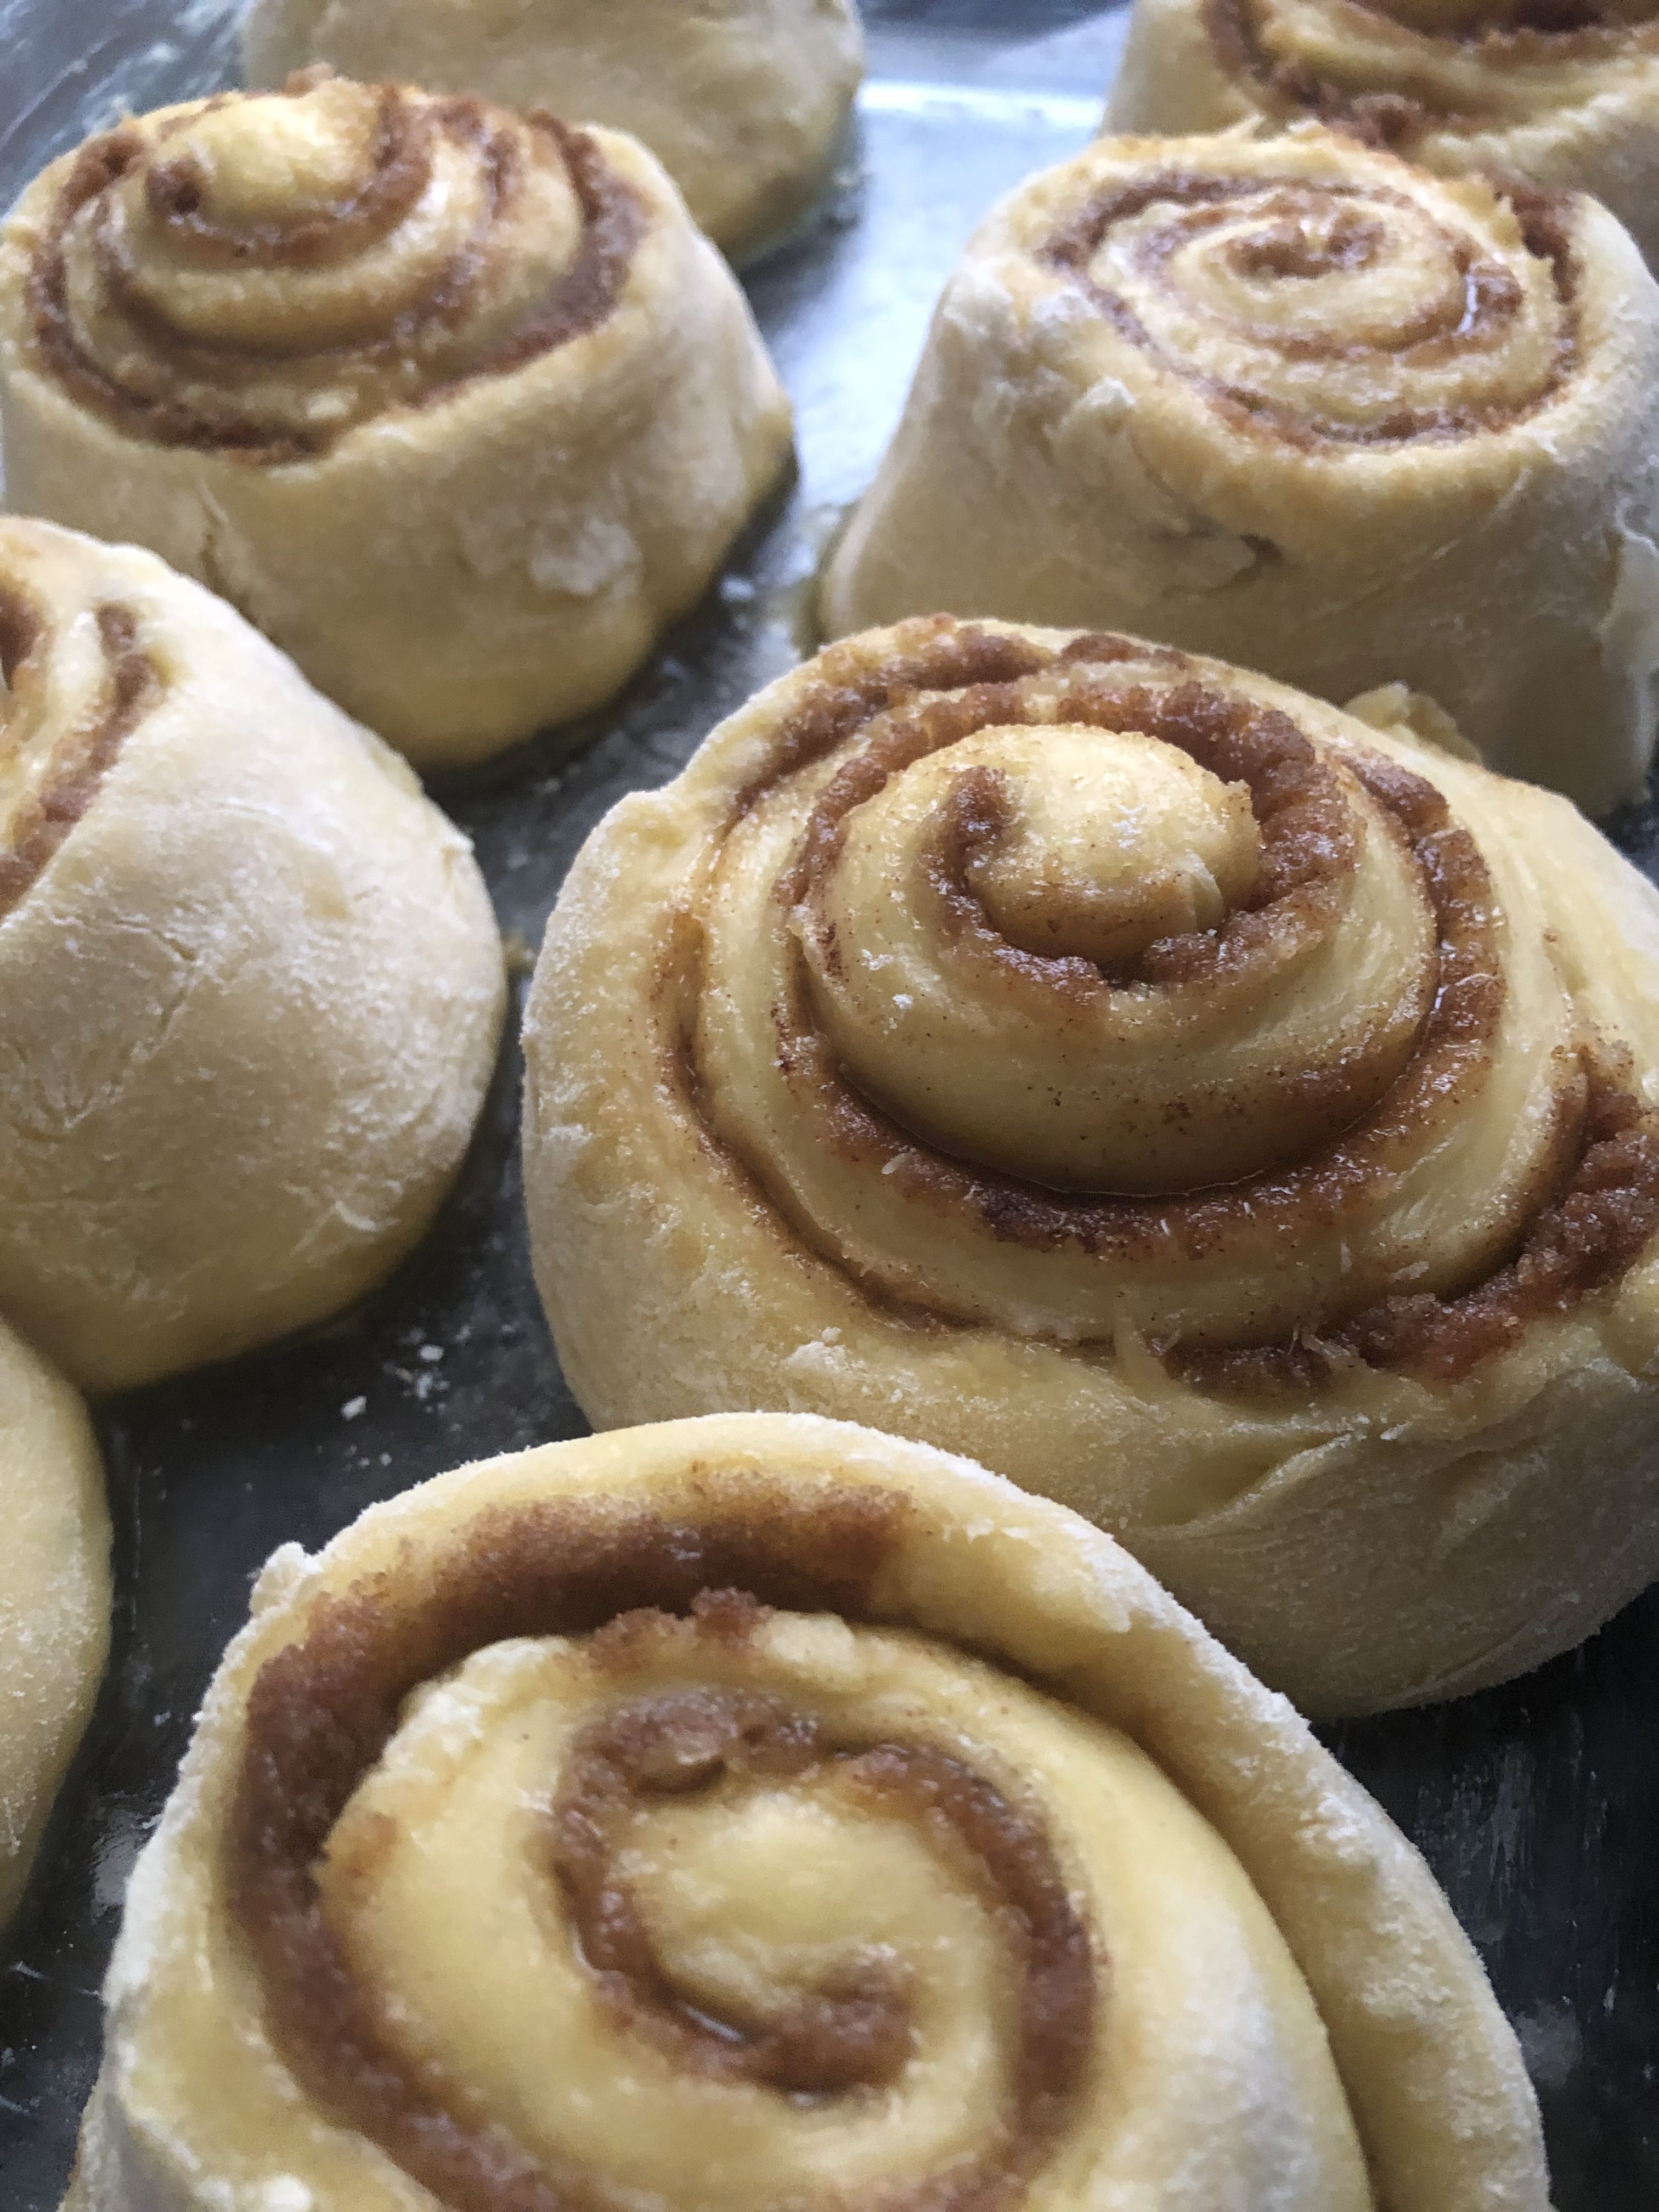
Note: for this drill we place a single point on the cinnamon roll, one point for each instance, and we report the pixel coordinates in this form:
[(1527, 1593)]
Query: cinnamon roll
[(54, 1597), (759, 1812), (1564, 92), (1299, 405), (455, 405), (1236, 1121), (251, 986), (743, 102)]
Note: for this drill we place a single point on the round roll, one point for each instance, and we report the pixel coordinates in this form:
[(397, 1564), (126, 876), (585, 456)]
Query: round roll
[(54, 1597), (760, 1812), (1236, 1122), (454, 405), (1298, 405), (743, 102), (251, 986), (1566, 96)]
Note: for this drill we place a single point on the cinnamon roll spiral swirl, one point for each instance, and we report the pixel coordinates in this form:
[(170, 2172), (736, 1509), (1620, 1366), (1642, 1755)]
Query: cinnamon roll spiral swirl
[(456, 405), (1233, 1119), (54, 1597), (758, 1812), (1562, 93), (251, 986), (1301, 406), (742, 101)]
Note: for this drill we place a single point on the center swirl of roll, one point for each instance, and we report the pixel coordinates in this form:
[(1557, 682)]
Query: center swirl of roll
[(1112, 959), (261, 274), (721, 1891), (1089, 991), (1332, 310)]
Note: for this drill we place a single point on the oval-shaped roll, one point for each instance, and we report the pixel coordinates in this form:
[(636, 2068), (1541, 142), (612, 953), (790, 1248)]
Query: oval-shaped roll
[(1564, 95), (456, 405), (1301, 406), (54, 1597), (743, 102), (251, 986), (1234, 1120), (758, 1812)]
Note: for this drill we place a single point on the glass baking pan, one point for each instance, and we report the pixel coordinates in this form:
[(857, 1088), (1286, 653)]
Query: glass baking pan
[(1537, 1805)]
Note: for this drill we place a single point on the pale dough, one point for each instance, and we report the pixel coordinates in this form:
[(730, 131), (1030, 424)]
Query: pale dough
[(742, 101), (1277, 1183), (251, 984), (1246, 1980), (1292, 403), (54, 1597), (459, 408)]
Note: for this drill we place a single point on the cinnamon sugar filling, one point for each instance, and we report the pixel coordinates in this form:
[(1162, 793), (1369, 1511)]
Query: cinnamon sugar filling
[(1306, 848), (1397, 113), (1312, 229), (1585, 1239), (581, 300), (82, 755), (323, 1709)]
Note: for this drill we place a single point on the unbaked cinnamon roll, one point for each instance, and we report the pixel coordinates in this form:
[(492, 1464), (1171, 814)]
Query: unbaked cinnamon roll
[(456, 406), (742, 101), (54, 1597), (1565, 94), (1299, 405), (251, 986), (1236, 1121), (761, 1812)]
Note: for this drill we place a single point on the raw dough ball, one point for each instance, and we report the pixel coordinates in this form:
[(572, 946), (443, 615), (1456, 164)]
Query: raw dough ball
[(251, 984), (457, 406)]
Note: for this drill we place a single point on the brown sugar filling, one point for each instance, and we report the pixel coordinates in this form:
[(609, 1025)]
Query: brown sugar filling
[(1311, 230), (82, 755), (855, 2032), (1590, 1246), (322, 1710), (581, 300), (1584, 1240), (1413, 104)]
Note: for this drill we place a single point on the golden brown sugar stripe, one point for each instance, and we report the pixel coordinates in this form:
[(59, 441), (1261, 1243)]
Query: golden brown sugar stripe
[(1583, 1241), (581, 300), (1492, 298), (83, 755), (323, 1709)]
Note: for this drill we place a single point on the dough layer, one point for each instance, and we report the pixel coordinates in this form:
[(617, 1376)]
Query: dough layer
[(455, 405), (1296, 403), (1231, 1118), (54, 1597), (1567, 99), (761, 1810), (742, 101), (251, 985)]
